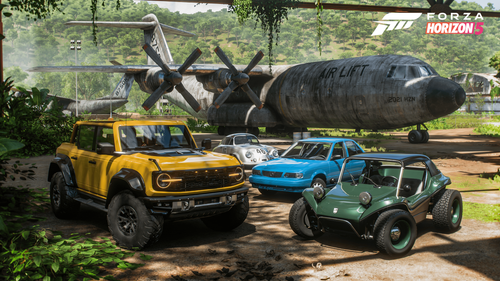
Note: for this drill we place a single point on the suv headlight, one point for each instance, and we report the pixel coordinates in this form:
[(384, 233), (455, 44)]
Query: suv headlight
[(163, 181), (248, 154), (294, 175), (238, 174)]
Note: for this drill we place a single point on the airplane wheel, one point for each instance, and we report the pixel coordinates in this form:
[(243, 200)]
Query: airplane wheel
[(415, 136), (425, 136), (221, 130)]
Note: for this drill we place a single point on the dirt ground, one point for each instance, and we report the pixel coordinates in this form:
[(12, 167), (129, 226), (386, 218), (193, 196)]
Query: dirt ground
[(265, 247)]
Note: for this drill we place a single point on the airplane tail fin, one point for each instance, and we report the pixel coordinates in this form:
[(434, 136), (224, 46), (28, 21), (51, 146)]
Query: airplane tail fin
[(122, 90)]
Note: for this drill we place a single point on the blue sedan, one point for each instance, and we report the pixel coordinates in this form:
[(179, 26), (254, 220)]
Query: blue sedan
[(308, 163)]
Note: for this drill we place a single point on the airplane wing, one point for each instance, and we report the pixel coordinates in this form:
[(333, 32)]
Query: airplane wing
[(139, 25), (133, 69)]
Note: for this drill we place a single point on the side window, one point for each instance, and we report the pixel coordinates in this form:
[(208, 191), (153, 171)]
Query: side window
[(352, 148), (85, 138), (397, 72), (105, 135), (338, 151), (224, 141)]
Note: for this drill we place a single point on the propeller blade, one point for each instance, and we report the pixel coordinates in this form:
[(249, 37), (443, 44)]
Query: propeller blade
[(188, 97), (156, 58), (254, 62), (226, 60), (255, 99), (156, 95), (225, 94), (190, 60)]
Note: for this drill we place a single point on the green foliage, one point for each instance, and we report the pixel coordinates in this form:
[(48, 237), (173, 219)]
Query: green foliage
[(28, 119), (495, 62), (270, 14), (200, 126), (8, 145), (488, 130), (33, 253), (482, 212), (454, 121)]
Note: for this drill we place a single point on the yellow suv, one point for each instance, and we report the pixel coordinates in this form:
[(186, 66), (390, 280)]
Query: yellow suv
[(143, 173)]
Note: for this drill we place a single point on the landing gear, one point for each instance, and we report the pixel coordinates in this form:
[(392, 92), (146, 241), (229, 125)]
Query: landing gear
[(418, 135)]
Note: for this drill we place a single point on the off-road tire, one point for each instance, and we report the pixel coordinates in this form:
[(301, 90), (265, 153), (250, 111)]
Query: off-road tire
[(229, 220), (63, 206), (266, 192), (299, 221), (318, 181), (447, 210), (401, 244), (130, 223), (415, 136)]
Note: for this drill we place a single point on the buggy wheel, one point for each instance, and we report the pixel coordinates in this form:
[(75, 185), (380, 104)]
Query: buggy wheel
[(130, 223), (395, 232), (63, 206), (303, 221), (447, 211)]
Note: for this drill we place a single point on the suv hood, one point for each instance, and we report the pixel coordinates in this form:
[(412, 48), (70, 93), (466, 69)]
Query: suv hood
[(189, 159)]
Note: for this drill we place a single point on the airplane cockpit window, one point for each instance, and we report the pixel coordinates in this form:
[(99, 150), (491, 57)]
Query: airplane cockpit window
[(413, 72), (424, 71), (397, 72)]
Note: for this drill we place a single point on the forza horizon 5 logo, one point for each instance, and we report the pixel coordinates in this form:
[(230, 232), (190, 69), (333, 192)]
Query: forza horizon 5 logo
[(396, 21)]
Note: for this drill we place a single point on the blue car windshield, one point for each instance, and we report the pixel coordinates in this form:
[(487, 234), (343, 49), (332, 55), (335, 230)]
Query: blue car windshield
[(308, 150), (154, 137)]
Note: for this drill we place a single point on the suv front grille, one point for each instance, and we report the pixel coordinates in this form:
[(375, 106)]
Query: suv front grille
[(272, 174), (201, 179)]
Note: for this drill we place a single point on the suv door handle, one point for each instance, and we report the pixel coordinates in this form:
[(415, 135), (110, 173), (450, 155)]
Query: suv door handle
[(74, 157), (92, 162)]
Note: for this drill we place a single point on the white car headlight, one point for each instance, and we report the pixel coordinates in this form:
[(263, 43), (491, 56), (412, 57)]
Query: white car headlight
[(275, 153), (248, 154)]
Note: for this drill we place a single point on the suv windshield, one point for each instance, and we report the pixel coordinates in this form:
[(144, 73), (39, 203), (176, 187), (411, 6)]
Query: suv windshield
[(154, 137), (308, 150)]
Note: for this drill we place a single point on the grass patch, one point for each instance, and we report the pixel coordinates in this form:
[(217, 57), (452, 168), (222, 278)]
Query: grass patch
[(482, 212), (488, 130), (346, 133)]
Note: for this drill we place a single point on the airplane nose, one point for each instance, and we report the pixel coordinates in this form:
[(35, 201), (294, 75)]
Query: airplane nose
[(443, 96)]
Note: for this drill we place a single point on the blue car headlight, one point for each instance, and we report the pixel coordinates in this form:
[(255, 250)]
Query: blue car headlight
[(256, 172), (294, 175)]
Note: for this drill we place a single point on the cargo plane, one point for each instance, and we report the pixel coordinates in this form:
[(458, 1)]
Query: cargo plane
[(371, 93)]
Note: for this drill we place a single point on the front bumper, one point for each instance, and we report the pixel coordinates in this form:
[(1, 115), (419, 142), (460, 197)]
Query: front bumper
[(279, 184), (195, 206)]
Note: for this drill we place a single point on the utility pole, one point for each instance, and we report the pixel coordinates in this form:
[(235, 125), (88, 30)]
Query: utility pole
[(77, 47)]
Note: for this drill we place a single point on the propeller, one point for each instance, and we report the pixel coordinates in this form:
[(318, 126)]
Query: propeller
[(172, 79), (238, 79)]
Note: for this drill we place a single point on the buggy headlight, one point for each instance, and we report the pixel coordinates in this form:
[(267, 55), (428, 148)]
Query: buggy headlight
[(319, 193), (365, 198), (248, 154)]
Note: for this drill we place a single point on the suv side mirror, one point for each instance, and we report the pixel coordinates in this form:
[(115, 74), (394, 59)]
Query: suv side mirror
[(105, 148), (207, 144)]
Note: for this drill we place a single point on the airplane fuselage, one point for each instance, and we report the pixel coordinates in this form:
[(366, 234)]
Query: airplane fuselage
[(377, 92)]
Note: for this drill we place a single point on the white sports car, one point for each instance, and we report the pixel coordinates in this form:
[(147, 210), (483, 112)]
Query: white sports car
[(247, 149)]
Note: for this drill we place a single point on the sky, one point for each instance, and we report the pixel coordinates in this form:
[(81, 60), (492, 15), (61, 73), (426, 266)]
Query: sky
[(190, 8)]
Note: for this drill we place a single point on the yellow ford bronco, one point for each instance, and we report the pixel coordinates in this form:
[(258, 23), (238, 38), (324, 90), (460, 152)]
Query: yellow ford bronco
[(143, 173)]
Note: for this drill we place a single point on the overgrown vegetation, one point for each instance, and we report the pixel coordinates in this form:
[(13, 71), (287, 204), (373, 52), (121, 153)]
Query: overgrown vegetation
[(482, 212), (488, 130), (454, 121), (30, 118), (28, 252), (200, 126)]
